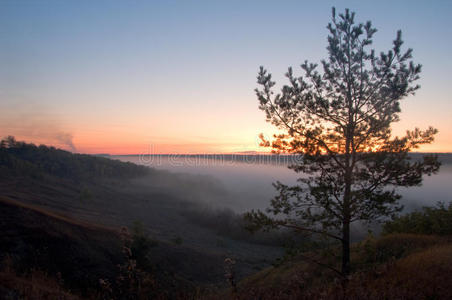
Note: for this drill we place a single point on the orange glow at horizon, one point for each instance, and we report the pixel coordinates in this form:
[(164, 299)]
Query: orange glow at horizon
[(114, 144), (189, 130)]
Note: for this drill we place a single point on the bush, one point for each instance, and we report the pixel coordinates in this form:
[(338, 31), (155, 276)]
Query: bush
[(141, 245), (430, 220), (396, 246)]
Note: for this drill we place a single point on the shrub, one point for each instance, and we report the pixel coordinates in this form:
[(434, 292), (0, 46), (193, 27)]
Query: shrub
[(430, 220), (141, 244)]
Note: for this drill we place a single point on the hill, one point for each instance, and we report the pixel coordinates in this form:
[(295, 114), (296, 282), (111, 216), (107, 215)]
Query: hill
[(396, 266), (79, 253), (62, 203), (62, 217)]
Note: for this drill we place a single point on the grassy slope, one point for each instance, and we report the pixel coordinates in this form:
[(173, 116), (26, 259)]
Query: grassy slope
[(35, 286), (115, 206), (397, 266), (47, 217), (44, 254), (34, 239), (61, 183)]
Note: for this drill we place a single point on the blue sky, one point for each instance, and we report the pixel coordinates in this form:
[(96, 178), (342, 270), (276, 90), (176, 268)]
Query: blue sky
[(120, 75)]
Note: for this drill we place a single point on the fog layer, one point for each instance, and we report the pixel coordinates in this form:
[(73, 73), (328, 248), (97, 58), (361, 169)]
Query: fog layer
[(242, 185)]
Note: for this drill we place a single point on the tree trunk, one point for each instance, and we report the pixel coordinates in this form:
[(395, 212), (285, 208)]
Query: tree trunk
[(346, 213), (346, 248), (346, 226)]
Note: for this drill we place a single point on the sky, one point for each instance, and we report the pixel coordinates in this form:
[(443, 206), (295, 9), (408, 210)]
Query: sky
[(137, 77)]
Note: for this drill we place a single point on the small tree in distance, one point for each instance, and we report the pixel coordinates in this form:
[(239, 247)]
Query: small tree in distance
[(338, 120)]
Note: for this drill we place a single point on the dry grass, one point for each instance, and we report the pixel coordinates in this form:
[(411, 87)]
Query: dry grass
[(400, 266), (37, 285), (421, 275)]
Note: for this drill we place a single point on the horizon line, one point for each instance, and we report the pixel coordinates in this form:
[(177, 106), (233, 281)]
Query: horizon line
[(237, 153)]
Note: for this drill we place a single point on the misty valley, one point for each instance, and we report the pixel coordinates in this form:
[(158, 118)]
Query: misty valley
[(244, 182)]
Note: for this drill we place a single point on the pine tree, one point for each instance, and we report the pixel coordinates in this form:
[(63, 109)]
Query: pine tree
[(339, 121)]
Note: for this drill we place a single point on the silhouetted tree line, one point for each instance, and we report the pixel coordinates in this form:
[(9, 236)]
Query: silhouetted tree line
[(20, 158)]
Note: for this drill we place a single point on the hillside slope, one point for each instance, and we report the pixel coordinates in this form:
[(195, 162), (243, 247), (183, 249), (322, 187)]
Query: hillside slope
[(110, 193), (80, 254), (397, 266)]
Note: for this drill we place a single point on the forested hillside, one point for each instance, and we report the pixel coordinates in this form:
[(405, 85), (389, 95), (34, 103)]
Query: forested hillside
[(28, 159)]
